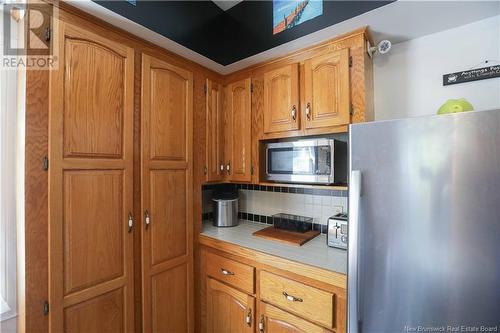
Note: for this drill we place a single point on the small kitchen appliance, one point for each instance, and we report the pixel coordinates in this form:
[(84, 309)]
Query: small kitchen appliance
[(309, 161), (337, 231), (225, 209)]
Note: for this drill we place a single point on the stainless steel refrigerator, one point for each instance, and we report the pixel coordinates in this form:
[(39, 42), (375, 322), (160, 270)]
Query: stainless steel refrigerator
[(424, 224)]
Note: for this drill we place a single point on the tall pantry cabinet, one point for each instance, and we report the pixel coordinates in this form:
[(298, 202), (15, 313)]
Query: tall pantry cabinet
[(166, 155), (91, 186)]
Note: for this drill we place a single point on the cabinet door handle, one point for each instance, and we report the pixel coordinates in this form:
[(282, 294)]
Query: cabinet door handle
[(226, 272), (292, 298), (130, 222), (221, 166), (147, 219), (261, 324), (228, 167), (308, 111), (294, 112), (248, 318)]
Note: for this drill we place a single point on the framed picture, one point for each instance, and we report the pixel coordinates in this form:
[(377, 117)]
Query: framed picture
[(289, 13)]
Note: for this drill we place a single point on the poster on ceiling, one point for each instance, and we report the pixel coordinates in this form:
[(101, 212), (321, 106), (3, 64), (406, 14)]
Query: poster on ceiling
[(289, 13)]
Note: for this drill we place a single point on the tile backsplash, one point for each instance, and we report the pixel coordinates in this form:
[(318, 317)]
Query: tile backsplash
[(259, 202)]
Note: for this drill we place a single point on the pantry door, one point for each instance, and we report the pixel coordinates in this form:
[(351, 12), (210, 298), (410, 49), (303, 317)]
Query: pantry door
[(166, 140), (90, 184)]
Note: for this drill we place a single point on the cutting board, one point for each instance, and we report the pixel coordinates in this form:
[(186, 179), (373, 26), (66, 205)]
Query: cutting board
[(287, 237)]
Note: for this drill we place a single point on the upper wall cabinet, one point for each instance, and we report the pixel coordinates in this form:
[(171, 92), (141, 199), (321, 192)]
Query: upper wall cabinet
[(326, 92), (215, 168), (238, 131), (320, 90), (281, 99)]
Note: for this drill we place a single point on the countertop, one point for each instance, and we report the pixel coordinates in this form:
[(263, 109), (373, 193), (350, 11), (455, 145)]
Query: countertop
[(314, 253)]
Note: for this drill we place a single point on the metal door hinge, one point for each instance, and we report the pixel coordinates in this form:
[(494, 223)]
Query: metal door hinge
[(47, 34), (205, 89), (45, 163), (350, 61), (45, 308)]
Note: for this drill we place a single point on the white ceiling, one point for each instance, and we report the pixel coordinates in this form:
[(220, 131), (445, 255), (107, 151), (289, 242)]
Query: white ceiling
[(226, 4), (399, 21)]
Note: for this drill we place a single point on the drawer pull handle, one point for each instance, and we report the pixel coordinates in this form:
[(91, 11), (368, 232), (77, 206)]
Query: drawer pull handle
[(226, 272), (292, 298)]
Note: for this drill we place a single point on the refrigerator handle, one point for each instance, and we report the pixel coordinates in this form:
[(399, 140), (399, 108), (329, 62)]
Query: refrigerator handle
[(353, 320)]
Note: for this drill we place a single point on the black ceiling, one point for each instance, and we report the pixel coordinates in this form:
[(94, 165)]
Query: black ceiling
[(226, 37)]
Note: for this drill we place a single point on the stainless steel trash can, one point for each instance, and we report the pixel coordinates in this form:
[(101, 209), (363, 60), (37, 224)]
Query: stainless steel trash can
[(225, 210)]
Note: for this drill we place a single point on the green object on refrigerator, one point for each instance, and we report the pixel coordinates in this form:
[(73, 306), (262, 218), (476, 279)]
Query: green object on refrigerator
[(455, 105)]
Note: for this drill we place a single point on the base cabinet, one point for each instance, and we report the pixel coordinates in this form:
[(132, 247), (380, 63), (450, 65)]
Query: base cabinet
[(240, 294), (274, 320), (229, 310)]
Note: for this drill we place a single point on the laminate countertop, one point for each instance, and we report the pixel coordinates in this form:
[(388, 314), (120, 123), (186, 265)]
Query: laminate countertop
[(314, 253)]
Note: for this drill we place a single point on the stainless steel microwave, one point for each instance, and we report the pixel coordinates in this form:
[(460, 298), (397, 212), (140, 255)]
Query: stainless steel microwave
[(309, 161)]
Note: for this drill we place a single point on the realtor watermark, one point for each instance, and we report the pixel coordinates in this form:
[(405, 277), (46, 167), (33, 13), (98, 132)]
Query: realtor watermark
[(450, 328), (29, 35)]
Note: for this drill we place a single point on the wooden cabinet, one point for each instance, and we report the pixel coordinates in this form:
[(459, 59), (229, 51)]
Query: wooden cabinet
[(90, 184), (281, 99), (231, 272), (290, 297), (325, 95), (326, 92), (166, 158), (306, 301), (273, 320), (229, 310), (214, 135), (238, 130)]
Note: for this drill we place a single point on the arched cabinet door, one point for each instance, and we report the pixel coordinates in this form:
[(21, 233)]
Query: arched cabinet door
[(166, 196), (238, 131), (90, 184), (229, 310), (273, 320), (281, 99), (327, 90)]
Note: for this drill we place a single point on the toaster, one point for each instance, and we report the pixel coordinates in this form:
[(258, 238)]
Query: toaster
[(337, 231)]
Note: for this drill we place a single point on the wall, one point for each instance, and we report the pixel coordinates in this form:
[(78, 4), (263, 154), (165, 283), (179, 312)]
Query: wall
[(258, 203), (408, 80)]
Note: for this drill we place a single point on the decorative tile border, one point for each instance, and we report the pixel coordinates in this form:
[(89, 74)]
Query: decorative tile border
[(285, 189), (262, 219)]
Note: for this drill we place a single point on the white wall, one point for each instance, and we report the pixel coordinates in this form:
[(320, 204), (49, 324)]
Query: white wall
[(408, 80)]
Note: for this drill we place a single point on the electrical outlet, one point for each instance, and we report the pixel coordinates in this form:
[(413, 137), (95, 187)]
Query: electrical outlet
[(337, 210)]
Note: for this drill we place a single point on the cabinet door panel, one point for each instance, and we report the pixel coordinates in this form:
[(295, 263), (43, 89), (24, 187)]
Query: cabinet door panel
[(214, 131), (166, 161), (275, 320), (228, 310), (169, 289), (94, 78), (327, 91), (100, 314), (239, 131), (281, 99), (93, 224), (168, 100), (168, 207), (90, 184)]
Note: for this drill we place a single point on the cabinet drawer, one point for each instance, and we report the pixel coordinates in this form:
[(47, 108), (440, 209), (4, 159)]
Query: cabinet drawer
[(306, 301), (231, 272)]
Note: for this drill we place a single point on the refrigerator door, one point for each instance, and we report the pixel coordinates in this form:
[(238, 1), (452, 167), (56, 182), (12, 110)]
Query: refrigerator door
[(424, 228)]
